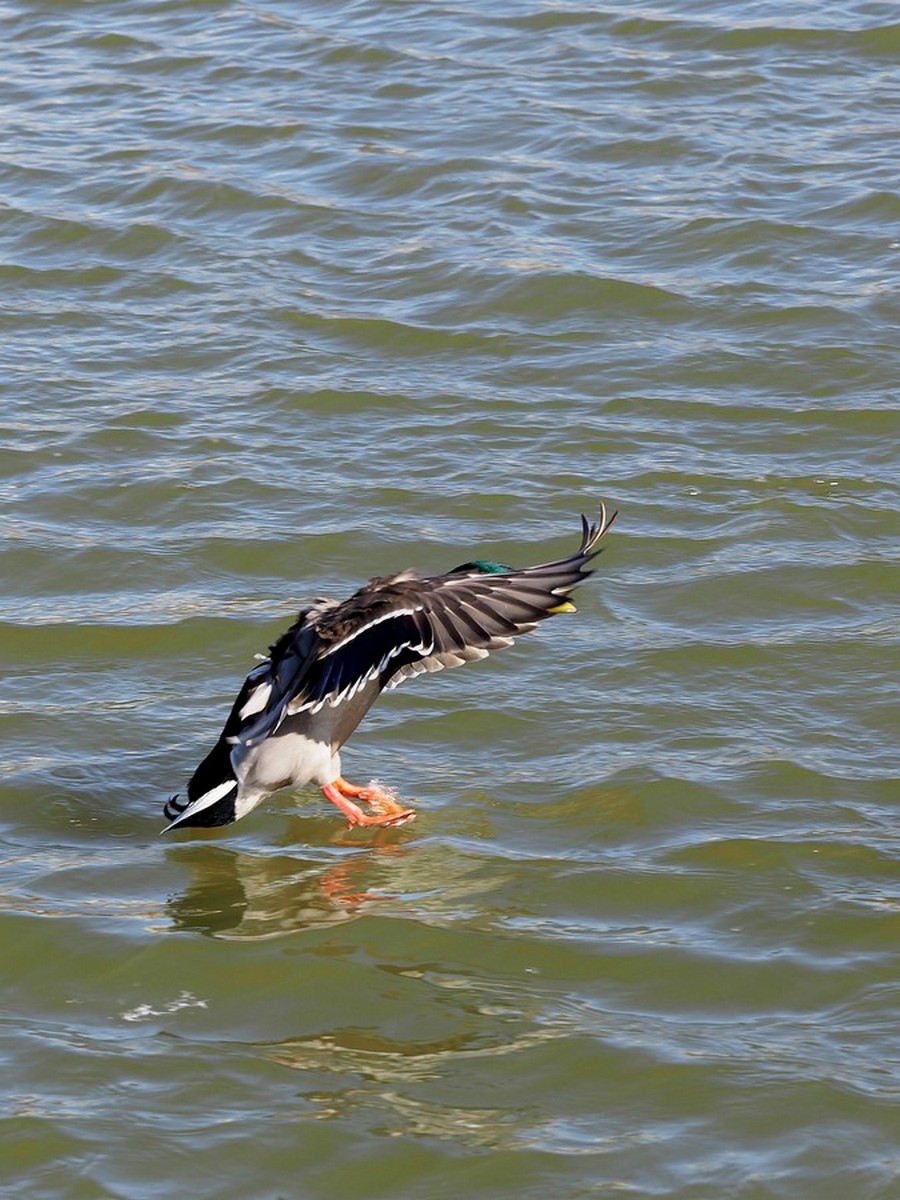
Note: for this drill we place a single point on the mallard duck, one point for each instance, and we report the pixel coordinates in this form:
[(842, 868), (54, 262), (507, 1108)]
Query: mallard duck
[(303, 700)]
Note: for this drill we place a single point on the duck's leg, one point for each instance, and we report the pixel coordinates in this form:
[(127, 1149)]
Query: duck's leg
[(385, 809)]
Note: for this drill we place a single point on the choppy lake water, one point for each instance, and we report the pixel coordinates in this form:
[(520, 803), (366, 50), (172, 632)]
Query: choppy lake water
[(296, 294)]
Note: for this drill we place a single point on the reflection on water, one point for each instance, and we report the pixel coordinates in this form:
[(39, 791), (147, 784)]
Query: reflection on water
[(387, 1075), (238, 895), (397, 285)]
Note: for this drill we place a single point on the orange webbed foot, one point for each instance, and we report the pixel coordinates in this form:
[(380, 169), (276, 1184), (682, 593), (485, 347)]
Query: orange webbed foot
[(383, 803)]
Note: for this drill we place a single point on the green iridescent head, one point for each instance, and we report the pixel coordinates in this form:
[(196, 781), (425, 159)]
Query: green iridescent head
[(482, 565)]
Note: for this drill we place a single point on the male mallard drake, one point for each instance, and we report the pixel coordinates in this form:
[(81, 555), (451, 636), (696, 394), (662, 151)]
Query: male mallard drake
[(301, 703)]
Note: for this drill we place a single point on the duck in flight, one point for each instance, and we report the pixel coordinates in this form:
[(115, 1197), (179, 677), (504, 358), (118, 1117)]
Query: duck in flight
[(304, 699)]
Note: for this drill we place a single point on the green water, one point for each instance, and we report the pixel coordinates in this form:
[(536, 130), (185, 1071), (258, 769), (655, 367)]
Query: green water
[(294, 295)]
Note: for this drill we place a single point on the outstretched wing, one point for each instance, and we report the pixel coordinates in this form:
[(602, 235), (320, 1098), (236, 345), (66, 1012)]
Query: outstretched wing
[(395, 628), (388, 631)]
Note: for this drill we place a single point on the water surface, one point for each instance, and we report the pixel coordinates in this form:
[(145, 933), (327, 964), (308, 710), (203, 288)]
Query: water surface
[(296, 295)]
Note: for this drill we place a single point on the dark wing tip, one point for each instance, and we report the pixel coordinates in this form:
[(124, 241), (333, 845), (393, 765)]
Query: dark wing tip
[(593, 531)]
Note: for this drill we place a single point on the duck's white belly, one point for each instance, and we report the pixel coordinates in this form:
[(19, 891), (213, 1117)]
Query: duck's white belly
[(285, 760)]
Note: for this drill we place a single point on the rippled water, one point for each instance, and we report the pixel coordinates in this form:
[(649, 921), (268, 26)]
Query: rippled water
[(298, 294)]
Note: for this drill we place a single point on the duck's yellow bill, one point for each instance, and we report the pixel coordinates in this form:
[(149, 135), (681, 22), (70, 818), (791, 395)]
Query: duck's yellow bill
[(566, 606)]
